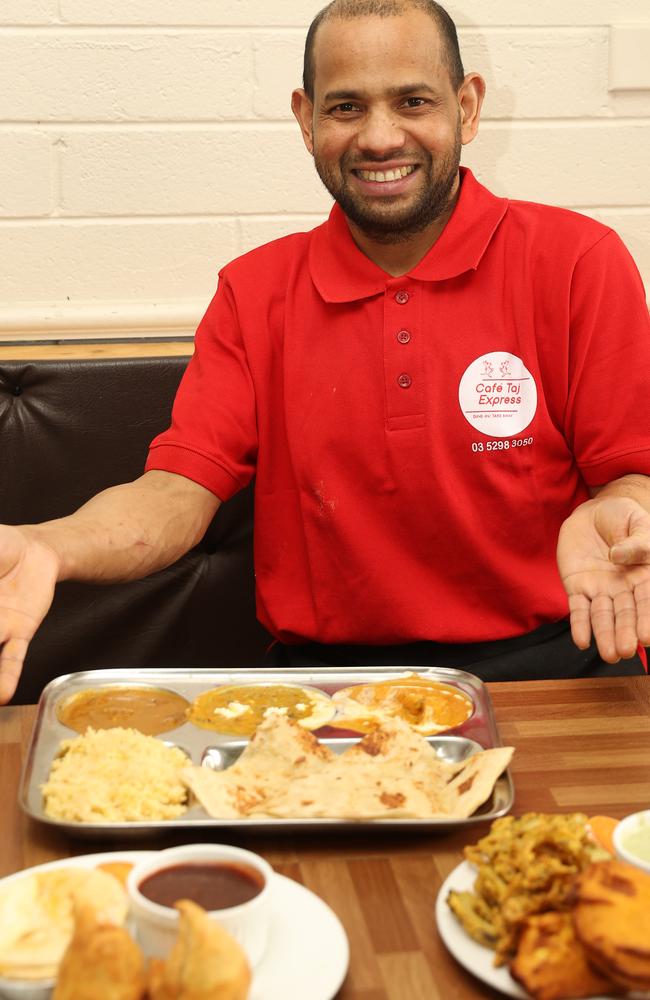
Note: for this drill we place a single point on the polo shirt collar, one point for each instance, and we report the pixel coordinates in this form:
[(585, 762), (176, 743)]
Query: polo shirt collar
[(342, 273)]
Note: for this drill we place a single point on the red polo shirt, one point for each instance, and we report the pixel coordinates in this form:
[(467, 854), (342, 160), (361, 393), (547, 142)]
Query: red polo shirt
[(418, 441)]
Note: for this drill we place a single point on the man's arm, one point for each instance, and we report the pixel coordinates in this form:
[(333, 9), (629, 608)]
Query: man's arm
[(604, 560), (124, 533)]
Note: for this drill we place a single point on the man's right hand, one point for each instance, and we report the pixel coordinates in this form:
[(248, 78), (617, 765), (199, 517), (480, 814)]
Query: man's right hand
[(28, 574)]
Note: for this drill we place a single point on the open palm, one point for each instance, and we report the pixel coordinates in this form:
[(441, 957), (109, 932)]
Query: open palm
[(603, 557), (28, 572)]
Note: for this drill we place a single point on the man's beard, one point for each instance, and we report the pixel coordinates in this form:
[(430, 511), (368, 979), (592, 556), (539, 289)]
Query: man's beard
[(380, 219)]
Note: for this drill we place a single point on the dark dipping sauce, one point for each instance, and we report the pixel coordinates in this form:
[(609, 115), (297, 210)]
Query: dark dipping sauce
[(214, 885)]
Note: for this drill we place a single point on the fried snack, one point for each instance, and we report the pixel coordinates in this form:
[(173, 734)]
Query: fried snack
[(102, 960), (115, 775), (118, 869), (525, 865), (612, 921), (551, 964), (205, 963), (37, 916)]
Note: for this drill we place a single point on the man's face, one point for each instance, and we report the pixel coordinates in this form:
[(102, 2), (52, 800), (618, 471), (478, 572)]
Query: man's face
[(386, 125)]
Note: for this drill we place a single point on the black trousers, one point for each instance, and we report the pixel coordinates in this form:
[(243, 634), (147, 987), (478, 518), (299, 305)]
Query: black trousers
[(546, 653)]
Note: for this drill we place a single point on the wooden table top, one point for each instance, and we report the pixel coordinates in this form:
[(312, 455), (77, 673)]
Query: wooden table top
[(580, 746), (75, 351)]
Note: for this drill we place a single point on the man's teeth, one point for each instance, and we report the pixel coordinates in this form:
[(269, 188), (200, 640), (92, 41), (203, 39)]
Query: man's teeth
[(387, 175)]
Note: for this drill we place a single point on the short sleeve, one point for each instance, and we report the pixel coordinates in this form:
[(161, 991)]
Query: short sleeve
[(607, 422), (213, 434)]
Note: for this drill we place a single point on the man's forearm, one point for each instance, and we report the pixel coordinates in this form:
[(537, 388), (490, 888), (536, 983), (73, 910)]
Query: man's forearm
[(635, 487), (129, 531)]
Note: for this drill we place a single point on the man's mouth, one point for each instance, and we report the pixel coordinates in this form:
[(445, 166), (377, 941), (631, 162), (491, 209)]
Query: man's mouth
[(381, 176)]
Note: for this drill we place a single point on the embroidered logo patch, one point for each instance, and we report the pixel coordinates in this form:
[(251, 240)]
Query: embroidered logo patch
[(498, 395)]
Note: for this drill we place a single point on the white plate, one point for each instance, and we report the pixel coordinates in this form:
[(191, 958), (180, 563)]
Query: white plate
[(307, 953), (469, 953)]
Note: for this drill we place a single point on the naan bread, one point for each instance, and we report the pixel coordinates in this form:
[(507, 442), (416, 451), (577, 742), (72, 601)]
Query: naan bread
[(392, 773), (473, 783), (37, 916), (351, 790), (280, 752)]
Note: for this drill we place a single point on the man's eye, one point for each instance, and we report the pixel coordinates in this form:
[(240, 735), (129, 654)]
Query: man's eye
[(346, 108), (415, 102)]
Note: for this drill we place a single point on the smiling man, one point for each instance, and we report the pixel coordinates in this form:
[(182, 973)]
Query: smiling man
[(442, 396), (385, 111)]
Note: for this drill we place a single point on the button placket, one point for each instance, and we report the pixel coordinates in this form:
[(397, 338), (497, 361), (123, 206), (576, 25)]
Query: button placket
[(403, 366)]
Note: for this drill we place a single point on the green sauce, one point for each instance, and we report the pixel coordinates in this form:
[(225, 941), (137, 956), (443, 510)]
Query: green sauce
[(637, 842)]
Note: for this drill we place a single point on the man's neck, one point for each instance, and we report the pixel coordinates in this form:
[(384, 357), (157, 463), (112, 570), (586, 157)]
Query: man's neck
[(401, 257)]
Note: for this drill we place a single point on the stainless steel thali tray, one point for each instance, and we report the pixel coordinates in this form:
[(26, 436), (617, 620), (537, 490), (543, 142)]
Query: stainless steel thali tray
[(214, 749)]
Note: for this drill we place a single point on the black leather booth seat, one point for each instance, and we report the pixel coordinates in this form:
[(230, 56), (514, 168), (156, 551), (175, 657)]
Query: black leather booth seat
[(72, 428)]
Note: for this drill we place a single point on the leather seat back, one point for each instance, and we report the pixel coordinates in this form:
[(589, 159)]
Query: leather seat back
[(72, 428)]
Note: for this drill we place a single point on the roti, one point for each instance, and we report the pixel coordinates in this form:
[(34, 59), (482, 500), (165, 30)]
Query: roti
[(284, 772), (279, 752)]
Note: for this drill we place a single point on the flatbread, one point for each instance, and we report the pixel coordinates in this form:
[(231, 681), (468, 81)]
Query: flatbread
[(280, 752), (351, 790), (391, 773), (473, 783), (37, 916)]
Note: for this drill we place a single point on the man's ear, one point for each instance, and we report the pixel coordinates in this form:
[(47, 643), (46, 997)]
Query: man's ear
[(470, 98), (303, 109)]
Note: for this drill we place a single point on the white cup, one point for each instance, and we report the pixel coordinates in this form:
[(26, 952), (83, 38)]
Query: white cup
[(157, 925), (637, 824)]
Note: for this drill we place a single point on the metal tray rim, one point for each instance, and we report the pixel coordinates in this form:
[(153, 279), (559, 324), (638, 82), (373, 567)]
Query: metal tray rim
[(502, 797)]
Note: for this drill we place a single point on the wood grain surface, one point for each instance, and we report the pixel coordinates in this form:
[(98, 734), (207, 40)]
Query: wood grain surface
[(96, 349), (580, 746)]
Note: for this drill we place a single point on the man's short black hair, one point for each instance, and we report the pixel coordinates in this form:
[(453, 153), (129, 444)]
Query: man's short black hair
[(348, 9)]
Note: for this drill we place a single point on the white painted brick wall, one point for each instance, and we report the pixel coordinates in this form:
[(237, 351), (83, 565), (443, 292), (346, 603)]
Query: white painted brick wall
[(143, 143)]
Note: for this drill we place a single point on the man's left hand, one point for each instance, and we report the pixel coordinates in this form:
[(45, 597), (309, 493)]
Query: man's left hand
[(603, 556)]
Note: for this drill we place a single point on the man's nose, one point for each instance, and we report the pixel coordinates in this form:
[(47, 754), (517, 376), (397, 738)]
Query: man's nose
[(380, 135)]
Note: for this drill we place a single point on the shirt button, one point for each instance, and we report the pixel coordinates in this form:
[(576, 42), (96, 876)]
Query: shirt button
[(403, 336), (404, 380), (401, 298)]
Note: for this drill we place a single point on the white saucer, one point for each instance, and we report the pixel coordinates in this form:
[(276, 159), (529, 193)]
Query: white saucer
[(307, 953)]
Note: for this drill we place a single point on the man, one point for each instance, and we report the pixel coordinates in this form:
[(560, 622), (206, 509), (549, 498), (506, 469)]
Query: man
[(434, 390)]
